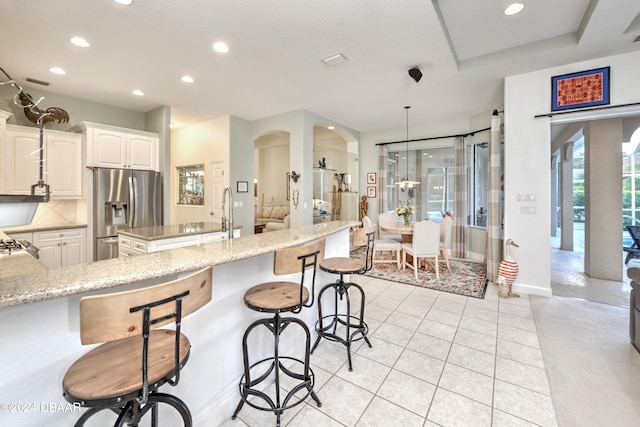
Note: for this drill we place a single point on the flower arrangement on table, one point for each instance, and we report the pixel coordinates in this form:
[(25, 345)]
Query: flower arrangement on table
[(406, 211)]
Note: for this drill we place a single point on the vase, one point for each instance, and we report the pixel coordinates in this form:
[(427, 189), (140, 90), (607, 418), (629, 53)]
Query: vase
[(407, 220)]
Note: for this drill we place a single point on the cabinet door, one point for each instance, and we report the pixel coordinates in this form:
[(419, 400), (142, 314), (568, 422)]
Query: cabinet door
[(141, 152), (64, 164), (50, 253), (61, 247), (74, 251), (22, 160), (109, 148)]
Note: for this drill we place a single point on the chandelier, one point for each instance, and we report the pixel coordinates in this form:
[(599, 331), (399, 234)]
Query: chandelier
[(406, 182)]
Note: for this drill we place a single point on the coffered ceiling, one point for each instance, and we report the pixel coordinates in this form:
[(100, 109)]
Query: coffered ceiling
[(464, 49)]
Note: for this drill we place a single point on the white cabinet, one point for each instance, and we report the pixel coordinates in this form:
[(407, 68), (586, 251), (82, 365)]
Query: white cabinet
[(214, 237), (62, 161), (129, 246), (62, 247), (22, 236), (112, 147)]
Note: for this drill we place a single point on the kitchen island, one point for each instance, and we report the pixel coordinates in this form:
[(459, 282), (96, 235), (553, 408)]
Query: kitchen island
[(142, 240), (40, 318)]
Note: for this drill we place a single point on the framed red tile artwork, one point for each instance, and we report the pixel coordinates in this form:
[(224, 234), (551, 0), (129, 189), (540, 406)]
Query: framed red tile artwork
[(578, 90)]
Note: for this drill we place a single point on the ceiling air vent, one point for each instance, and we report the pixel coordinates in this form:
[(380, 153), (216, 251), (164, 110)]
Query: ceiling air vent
[(336, 59)]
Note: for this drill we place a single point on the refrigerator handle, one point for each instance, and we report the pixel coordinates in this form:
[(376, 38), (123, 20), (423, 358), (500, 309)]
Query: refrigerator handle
[(132, 205), (135, 201)]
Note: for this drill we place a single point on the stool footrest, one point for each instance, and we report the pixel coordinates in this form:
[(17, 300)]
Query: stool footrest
[(359, 327), (277, 405)]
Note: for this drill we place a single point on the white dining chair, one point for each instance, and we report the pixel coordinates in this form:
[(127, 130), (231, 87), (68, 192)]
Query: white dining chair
[(426, 244), (388, 218), (385, 245)]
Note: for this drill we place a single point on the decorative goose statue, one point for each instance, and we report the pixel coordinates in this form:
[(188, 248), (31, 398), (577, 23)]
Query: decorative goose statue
[(508, 271)]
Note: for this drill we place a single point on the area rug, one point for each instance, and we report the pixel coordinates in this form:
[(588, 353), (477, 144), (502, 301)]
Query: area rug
[(465, 277)]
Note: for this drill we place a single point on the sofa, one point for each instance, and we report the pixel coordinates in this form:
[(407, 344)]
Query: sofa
[(273, 226), (271, 214)]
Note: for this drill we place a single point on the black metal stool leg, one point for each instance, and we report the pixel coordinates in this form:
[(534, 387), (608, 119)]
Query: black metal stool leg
[(278, 405), (329, 330)]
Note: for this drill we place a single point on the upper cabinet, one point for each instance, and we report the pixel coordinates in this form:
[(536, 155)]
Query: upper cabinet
[(113, 147), (62, 161)]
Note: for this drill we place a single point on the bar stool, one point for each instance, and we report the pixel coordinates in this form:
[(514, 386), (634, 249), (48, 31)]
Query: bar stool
[(356, 328), (124, 373), (280, 297)]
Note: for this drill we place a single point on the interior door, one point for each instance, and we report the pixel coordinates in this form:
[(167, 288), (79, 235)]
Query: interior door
[(216, 178)]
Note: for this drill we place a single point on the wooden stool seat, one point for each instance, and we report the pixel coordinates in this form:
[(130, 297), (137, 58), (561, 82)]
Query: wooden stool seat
[(342, 265), (275, 296), (136, 355), (120, 367)]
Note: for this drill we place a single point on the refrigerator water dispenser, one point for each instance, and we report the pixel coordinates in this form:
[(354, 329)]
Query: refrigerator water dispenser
[(116, 213)]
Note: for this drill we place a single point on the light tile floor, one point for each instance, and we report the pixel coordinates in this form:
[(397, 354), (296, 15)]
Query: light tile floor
[(438, 359)]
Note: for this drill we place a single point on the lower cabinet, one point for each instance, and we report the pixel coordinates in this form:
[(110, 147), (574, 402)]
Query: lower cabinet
[(129, 246), (60, 248)]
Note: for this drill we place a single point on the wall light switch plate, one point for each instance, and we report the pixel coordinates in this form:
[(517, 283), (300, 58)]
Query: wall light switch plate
[(528, 209), (237, 204)]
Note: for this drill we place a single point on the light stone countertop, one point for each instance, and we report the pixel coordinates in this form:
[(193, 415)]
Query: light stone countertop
[(76, 279), (169, 231), (36, 228)]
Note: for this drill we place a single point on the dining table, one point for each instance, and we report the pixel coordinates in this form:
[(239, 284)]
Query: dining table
[(405, 231)]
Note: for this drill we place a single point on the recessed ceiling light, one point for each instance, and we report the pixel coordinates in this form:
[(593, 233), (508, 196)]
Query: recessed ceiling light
[(220, 47), (124, 2), (138, 92), (187, 79), (513, 8), (57, 70), (79, 41), (331, 127)]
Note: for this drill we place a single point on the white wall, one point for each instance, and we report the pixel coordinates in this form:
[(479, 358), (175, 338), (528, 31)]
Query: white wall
[(197, 144), (528, 154), (273, 164)]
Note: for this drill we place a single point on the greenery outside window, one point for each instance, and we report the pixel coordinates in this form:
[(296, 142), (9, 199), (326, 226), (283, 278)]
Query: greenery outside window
[(434, 168)]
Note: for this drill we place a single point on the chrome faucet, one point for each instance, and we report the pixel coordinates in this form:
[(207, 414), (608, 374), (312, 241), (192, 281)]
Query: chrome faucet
[(228, 229)]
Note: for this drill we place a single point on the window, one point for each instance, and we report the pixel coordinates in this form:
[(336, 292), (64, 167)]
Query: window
[(434, 168), (191, 185), (478, 164)]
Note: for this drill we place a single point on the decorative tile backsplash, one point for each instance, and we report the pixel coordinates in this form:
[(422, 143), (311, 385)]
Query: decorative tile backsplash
[(60, 212)]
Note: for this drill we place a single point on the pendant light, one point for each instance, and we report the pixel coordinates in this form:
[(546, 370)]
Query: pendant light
[(406, 182)]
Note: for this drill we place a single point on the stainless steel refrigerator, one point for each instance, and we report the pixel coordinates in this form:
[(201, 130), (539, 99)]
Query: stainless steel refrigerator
[(123, 198)]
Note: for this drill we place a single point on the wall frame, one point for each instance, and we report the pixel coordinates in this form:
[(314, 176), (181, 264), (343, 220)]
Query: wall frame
[(371, 178), (578, 90), (242, 187), (371, 192)]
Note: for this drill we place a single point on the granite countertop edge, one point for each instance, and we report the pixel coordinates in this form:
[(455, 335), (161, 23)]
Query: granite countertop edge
[(82, 278), (36, 228)]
